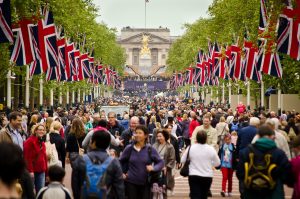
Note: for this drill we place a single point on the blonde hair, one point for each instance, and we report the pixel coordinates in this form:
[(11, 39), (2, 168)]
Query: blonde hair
[(34, 118), (234, 133), (55, 126), (49, 121), (153, 119), (222, 119), (35, 127), (158, 125)]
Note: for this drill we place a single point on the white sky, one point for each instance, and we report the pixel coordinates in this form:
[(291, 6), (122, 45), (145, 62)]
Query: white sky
[(166, 13)]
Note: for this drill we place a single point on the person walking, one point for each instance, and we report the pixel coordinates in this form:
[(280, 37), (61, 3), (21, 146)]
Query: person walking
[(222, 129), (35, 156), (185, 123), (203, 158), (167, 152), (137, 165)]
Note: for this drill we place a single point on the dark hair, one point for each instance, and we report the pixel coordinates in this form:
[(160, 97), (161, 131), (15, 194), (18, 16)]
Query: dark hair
[(143, 128), (102, 123), (12, 164), (14, 115), (296, 142), (56, 173), (265, 130), (201, 137), (101, 139), (165, 134)]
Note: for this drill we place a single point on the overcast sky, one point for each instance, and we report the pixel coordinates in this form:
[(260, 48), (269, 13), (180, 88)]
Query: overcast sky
[(166, 13)]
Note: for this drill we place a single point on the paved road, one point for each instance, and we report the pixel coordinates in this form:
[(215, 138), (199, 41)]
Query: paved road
[(182, 188)]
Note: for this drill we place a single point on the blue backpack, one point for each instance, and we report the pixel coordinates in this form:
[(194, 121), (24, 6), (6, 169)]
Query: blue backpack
[(93, 186), (234, 127)]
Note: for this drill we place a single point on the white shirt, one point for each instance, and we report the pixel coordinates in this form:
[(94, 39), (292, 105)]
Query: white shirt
[(202, 158)]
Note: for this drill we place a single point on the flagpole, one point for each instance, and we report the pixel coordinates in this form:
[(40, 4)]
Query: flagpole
[(83, 96), (60, 96), (67, 97), (51, 98), (262, 93), (229, 93), (248, 94), (223, 93), (217, 93), (78, 96), (211, 94), (41, 81), (27, 87), (73, 97), (238, 93), (279, 100), (8, 97)]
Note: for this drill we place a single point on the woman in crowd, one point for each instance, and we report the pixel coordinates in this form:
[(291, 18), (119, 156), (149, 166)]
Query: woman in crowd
[(151, 125), (222, 129), (137, 165), (59, 142), (74, 139), (185, 123), (167, 153), (35, 156), (33, 121), (87, 124), (74, 148), (49, 121), (203, 158)]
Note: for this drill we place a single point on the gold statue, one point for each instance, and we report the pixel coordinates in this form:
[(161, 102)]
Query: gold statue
[(145, 49)]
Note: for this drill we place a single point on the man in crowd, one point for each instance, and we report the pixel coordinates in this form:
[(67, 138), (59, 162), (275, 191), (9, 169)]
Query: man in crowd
[(113, 124), (127, 134), (212, 135)]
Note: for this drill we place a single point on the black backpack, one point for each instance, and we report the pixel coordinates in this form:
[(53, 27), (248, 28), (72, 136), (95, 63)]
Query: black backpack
[(259, 171)]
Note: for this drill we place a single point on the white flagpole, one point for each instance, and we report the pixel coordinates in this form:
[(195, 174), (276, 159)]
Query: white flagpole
[(229, 93), (262, 93), (223, 93), (248, 94), (41, 81), (78, 96), (8, 97), (27, 93), (51, 97)]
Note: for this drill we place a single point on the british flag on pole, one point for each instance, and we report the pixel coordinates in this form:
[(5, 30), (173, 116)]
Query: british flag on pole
[(61, 45), (22, 52), (6, 34), (84, 59), (107, 76), (289, 31), (35, 67)]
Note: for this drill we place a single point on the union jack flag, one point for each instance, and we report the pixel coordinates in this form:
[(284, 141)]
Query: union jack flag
[(189, 75), (61, 45), (200, 69), (84, 59), (6, 34), (35, 66), (107, 76), (217, 57), (70, 62), (78, 75), (100, 73), (47, 41), (250, 66), (92, 69), (289, 31), (236, 62), (22, 52)]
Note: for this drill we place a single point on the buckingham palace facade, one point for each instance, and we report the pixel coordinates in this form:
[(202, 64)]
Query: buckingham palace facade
[(159, 44)]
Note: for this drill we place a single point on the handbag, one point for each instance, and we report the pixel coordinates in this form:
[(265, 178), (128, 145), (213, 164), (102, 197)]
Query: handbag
[(220, 136), (52, 153), (80, 150), (184, 171), (154, 176)]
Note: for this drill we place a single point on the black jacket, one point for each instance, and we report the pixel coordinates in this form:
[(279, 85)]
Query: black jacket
[(113, 177), (60, 146)]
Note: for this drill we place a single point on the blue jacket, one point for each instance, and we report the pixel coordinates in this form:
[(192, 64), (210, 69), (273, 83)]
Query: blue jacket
[(245, 137), (113, 177)]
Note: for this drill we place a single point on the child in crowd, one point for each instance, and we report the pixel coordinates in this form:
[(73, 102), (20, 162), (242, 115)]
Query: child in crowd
[(234, 137), (227, 157)]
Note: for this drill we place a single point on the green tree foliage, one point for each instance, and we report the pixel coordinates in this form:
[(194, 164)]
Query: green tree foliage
[(227, 23)]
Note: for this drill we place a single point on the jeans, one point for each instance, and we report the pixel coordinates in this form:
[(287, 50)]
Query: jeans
[(39, 180), (227, 176), (199, 186)]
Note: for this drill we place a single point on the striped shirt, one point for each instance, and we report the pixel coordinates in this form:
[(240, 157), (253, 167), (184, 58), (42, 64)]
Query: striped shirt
[(54, 190)]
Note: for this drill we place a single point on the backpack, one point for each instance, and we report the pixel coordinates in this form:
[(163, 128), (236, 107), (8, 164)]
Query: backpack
[(93, 186), (234, 127), (258, 171)]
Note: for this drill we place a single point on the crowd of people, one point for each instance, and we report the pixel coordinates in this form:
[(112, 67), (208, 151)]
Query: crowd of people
[(136, 154)]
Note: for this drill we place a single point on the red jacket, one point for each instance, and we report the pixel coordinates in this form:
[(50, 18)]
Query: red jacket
[(193, 125), (35, 157)]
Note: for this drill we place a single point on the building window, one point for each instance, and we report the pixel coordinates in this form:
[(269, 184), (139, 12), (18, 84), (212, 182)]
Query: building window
[(135, 56), (163, 56), (154, 56)]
